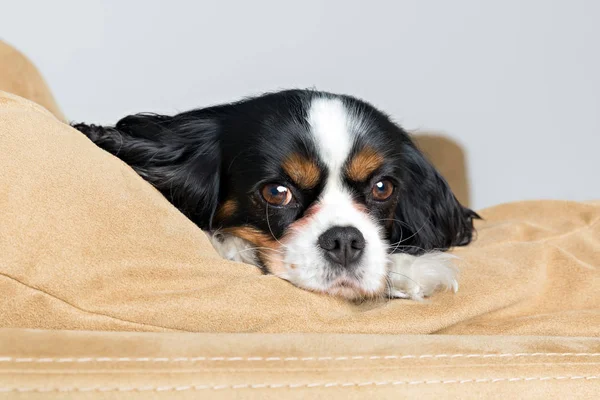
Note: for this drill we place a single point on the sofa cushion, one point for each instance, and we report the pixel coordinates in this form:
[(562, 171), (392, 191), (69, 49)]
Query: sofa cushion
[(19, 76), (133, 365)]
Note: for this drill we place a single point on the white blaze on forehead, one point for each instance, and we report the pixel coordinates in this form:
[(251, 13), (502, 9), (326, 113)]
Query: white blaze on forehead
[(330, 125), (334, 127)]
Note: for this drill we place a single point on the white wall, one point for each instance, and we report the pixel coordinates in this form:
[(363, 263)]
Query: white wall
[(516, 82)]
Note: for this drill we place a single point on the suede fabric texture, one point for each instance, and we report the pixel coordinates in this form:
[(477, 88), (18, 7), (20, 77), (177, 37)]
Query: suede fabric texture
[(129, 365), (19, 76), (87, 246)]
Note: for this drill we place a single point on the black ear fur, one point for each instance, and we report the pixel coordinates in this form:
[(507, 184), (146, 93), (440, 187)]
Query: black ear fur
[(179, 155), (428, 215)]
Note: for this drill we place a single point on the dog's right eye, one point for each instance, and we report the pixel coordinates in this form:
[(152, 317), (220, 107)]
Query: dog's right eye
[(277, 195)]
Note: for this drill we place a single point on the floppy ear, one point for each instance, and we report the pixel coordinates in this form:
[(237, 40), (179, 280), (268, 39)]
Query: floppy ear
[(428, 216), (179, 155)]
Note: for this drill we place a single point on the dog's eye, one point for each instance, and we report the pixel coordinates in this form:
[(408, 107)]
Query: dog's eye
[(276, 194), (382, 190)]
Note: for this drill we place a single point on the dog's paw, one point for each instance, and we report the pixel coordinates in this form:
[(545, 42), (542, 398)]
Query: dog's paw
[(417, 277)]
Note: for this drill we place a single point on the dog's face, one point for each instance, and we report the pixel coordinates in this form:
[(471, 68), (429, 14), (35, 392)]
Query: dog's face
[(315, 188), (314, 185)]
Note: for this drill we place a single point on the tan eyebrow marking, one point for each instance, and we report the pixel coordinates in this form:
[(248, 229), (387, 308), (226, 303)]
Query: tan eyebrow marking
[(303, 171), (363, 164)]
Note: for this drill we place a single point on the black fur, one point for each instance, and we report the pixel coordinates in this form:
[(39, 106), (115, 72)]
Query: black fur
[(179, 155), (199, 159), (431, 216)]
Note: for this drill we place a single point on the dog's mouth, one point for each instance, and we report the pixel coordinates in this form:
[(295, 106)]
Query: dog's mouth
[(346, 283), (349, 288)]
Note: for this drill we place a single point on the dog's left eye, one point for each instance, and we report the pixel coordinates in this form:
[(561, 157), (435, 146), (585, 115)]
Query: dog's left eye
[(382, 190), (277, 195)]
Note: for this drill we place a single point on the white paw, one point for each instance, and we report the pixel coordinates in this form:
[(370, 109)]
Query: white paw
[(417, 277)]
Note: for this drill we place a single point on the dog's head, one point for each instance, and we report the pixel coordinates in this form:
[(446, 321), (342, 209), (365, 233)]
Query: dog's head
[(316, 188)]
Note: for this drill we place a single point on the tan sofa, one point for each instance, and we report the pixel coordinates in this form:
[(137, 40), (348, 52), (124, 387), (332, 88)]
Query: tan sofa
[(107, 291)]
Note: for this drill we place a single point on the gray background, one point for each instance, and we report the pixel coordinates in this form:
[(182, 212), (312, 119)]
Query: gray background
[(515, 82)]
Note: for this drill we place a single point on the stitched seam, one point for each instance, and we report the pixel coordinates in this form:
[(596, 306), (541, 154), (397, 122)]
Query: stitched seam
[(288, 385), (268, 359)]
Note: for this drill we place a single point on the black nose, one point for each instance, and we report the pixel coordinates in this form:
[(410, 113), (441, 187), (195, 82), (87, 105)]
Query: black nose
[(342, 244)]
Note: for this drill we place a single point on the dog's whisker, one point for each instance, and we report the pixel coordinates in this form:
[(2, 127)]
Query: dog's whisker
[(271, 230), (390, 288), (260, 248), (411, 236), (425, 251), (400, 241), (406, 276)]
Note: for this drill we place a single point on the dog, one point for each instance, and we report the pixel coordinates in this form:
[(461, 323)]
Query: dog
[(320, 189)]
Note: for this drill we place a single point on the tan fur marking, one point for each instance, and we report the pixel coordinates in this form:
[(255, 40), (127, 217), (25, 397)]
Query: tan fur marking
[(363, 164), (226, 210), (268, 249), (304, 172), (253, 235)]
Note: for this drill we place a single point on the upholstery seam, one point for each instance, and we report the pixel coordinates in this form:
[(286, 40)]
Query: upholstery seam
[(270, 359), (182, 388)]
